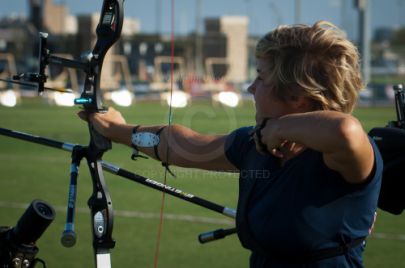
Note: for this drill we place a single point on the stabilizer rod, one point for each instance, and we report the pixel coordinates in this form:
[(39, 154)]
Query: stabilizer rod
[(125, 173)]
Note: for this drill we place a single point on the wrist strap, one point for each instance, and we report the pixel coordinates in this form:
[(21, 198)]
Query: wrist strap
[(259, 136)]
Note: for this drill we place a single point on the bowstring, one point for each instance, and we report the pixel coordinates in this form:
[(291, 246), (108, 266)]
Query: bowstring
[(162, 204)]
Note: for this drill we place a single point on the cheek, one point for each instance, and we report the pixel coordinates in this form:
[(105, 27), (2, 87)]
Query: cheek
[(263, 92), (262, 99)]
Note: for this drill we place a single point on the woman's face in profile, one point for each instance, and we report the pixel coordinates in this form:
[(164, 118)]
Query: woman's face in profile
[(267, 104)]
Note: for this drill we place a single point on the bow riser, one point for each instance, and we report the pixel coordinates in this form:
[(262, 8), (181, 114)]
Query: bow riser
[(108, 32)]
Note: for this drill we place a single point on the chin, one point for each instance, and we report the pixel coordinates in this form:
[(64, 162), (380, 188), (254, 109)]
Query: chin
[(258, 120)]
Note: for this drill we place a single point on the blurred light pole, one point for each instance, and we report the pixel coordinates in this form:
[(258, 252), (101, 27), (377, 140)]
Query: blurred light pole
[(198, 39), (297, 18), (364, 37)]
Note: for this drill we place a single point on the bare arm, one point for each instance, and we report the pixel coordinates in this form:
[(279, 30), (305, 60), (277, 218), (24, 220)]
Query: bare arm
[(178, 145), (340, 137)]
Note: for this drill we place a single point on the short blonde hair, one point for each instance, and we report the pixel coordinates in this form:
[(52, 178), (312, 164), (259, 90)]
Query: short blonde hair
[(316, 61)]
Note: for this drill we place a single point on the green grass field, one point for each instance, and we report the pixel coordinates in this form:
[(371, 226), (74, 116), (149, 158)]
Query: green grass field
[(30, 171)]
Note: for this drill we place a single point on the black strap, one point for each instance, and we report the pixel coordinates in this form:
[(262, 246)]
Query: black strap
[(134, 130), (333, 252), (317, 255), (155, 148)]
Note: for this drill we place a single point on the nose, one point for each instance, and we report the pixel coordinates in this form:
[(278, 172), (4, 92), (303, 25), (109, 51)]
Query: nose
[(252, 88)]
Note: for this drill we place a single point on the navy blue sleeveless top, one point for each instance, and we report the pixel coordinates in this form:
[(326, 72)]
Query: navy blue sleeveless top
[(299, 207)]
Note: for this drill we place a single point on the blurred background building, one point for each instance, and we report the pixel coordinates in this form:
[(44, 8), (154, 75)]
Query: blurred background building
[(216, 57)]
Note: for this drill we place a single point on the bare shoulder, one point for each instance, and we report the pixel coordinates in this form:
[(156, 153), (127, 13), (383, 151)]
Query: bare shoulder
[(354, 158)]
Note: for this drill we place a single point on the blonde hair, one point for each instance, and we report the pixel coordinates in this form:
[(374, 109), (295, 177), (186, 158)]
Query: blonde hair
[(314, 61)]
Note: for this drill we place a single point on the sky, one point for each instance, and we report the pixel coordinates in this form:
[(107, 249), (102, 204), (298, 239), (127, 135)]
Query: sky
[(264, 15)]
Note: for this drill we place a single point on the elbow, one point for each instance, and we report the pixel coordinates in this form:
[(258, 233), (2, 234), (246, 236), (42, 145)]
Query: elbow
[(350, 133)]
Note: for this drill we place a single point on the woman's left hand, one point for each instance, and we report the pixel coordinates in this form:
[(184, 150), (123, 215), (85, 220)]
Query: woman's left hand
[(105, 123), (267, 140)]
